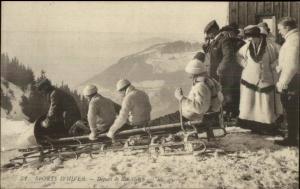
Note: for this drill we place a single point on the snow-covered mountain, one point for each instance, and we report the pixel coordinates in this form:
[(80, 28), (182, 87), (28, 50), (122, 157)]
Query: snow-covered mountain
[(158, 70), (87, 53)]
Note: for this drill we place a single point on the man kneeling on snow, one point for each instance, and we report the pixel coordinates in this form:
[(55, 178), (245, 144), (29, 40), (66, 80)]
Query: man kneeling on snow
[(63, 111)]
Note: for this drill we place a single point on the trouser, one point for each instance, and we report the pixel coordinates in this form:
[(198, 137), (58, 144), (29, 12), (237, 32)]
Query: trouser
[(231, 91), (290, 101)]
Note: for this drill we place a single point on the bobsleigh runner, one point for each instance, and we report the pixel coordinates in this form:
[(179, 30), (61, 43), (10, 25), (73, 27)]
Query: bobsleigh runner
[(169, 139)]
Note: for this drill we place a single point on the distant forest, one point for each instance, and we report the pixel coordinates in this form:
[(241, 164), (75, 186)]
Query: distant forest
[(34, 105)]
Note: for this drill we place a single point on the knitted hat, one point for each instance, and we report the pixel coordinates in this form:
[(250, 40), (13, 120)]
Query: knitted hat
[(195, 67), (122, 84), (89, 90)]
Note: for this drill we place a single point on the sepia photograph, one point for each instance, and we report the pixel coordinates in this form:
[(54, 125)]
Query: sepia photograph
[(141, 94)]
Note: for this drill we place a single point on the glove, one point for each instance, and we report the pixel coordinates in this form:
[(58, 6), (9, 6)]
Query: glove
[(92, 136), (220, 70), (45, 124), (110, 135), (280, 87), (178, 94), (278, 69)]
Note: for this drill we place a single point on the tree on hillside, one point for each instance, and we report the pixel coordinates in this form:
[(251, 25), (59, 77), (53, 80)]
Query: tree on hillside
[(13, 71), (5, 102), (81, 101), (35, 104)]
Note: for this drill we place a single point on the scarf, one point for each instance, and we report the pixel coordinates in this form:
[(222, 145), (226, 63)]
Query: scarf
[(257, 55)]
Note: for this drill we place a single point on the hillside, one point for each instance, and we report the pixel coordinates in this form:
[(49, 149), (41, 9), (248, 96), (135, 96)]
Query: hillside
[(158, 70), (11, 97)]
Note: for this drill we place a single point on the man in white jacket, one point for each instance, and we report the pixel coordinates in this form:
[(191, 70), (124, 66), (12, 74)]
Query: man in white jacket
[(136, 108), (101, 112), (205, 94), (288, 83)]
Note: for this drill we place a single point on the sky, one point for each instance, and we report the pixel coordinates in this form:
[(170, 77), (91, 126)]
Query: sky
[(87, 37), (131, 17)]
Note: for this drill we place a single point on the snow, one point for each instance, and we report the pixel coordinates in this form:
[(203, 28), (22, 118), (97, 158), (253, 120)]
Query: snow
[(12, 127), (15, 134), (15, 94), (149, 84), (170, 62), (255, 162)]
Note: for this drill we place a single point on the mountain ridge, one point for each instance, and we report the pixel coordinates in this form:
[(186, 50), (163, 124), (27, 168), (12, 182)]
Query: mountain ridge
[(158, 70)]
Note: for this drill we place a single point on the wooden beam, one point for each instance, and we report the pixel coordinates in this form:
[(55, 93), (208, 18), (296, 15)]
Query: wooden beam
[(289, 8), (132, 131)]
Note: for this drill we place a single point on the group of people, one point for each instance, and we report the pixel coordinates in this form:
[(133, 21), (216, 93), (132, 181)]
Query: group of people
[(257, 75), (250, 77)]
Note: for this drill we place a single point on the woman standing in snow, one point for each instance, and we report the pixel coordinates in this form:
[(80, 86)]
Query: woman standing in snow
[(260, 105)]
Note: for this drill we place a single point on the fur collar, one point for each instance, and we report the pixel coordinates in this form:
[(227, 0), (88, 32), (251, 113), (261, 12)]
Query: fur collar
[(257, 54)]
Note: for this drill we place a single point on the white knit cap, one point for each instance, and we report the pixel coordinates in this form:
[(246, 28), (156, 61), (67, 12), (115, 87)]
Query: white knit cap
[(195, 67), (122, 83), (89, 90)]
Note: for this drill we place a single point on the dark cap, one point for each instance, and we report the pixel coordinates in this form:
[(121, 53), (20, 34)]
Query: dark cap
[(211, 25), (200, 56), (234, 27), (227, 28), (42, 82), (252, 31)]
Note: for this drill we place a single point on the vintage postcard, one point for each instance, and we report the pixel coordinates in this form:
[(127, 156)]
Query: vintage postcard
[(140, 94)]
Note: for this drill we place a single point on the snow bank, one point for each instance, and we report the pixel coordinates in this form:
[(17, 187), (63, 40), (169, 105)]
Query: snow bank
[(12, 127), (15, 134)]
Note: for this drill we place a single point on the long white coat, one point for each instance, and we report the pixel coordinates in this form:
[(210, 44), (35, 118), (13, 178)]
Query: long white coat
[(263, 73), (262, 107)]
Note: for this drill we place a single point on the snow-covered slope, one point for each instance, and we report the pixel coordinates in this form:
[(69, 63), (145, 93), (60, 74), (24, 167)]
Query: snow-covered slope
[(15, 134), (14, 94), (254, 162)]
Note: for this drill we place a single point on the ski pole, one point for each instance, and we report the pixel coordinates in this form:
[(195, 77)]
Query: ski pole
[(180, 116)]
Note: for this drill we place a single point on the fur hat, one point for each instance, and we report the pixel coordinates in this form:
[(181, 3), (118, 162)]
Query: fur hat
[(233, 27), (252, 31), (263, 31)]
